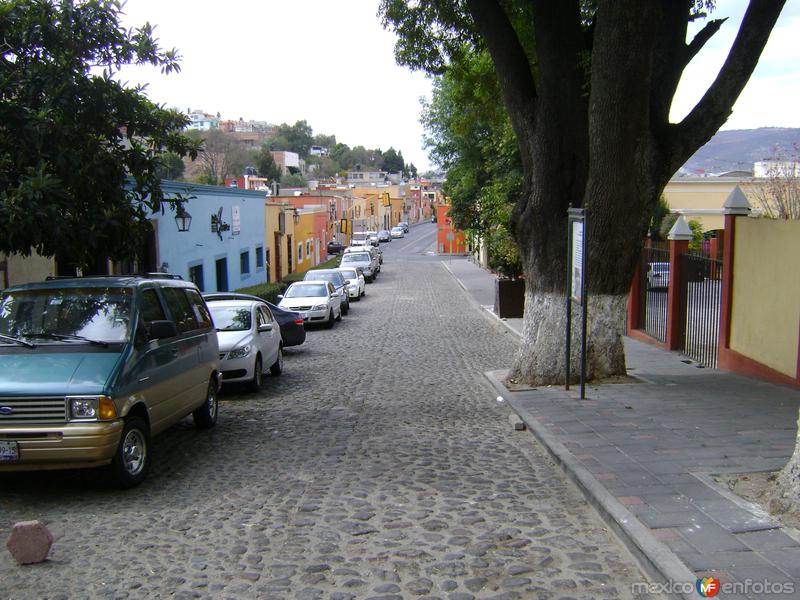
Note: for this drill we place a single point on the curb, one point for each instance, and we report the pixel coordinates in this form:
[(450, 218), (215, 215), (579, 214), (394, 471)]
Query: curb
[(658, 561), (482, 308)]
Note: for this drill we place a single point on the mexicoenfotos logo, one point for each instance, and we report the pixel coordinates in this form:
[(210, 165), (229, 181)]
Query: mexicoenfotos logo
[(707, 587)]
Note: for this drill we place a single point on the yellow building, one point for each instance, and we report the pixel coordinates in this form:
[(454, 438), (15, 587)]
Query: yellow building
[(279, 232), (701, 198)]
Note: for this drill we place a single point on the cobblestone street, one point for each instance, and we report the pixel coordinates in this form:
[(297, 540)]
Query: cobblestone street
[(379, 465)]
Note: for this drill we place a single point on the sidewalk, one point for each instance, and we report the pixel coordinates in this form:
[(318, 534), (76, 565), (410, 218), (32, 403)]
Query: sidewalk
[(644, 454)]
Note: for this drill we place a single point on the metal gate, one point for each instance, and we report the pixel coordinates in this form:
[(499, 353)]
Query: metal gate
[(701, 291), (653, 300)]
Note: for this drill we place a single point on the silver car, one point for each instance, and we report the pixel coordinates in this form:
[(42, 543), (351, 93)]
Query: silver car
[(316, 301), (356, 284), (365, 260), (249, 339)]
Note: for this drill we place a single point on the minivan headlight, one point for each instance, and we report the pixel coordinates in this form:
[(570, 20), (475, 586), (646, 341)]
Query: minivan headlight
[(239, 352), (319, 307), (92, 408)]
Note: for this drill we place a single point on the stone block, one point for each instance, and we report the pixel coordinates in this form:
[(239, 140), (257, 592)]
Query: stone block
[(30, 542), (516, 422)]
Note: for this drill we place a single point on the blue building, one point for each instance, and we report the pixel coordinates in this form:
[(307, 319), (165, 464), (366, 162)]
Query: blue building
[(224, 246)]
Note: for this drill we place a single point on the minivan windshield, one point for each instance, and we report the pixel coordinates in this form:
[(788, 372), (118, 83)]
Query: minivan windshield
[(67, 315)]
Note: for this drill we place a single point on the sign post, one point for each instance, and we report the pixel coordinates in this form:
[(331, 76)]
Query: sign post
[(576, 286)]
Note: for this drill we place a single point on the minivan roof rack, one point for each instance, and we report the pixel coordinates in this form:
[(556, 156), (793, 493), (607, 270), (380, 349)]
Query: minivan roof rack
[(148, 275)]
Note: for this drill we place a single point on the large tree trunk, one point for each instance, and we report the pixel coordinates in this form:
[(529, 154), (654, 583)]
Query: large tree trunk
[(607, 146), (786, 497)]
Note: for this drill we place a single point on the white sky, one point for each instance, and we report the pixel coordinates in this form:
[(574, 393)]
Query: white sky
[(332, 64)]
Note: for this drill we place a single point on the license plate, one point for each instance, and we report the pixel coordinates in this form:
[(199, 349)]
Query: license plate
[(9, 451)]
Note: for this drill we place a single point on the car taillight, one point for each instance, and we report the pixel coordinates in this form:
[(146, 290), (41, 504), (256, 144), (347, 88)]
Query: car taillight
[(298, 321)]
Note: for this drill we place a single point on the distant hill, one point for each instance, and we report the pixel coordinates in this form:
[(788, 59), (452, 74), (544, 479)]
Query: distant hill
[(738, 149)]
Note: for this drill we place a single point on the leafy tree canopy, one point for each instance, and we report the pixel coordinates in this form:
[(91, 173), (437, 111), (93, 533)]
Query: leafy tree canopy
[(71, 135)]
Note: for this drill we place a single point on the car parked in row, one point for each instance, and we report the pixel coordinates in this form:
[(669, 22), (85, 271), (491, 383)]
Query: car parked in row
[(293, 332), (335, 247), (356, 283), (404, 225), (338, 281), (249, 339), (316, 301), (91, 368), (658, 275), (364, 259), (384, 236), (397, 232)]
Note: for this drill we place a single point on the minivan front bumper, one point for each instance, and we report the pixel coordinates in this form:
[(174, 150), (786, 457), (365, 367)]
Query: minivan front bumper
[(66, 446)]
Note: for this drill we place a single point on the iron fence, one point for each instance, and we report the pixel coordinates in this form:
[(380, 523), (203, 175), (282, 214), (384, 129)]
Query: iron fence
[(701, 291), (653, 301)]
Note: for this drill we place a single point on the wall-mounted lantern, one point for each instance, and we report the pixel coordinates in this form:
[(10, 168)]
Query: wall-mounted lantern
[(296, 216), (183, 219)]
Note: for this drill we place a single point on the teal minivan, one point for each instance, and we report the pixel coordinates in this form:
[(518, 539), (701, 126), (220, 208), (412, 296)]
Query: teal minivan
[(91, 368)]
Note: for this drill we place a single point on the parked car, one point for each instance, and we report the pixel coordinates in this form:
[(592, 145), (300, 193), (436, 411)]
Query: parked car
[(249, 339), (397, 232), (372, 237), (91, 368), (374, 251), (316, 301), (356, 284), (361, 259), (293, 331), (658, 275), (338, 281), (384, 236), (335, 247), (404, 225)]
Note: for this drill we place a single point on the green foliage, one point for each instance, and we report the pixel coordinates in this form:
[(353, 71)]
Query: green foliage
[(393, 161), (298, 137), (170, 166), (470, 136), (266, 291), (70, 134), (265, 163), (660, 212), (694, 225), (293, 180)]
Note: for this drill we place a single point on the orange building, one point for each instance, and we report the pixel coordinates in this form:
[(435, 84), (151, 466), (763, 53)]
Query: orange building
[(448, 239)]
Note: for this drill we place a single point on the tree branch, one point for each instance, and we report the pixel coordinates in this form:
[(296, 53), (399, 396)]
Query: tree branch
[(511, 65), (716, 105), (705, 34)]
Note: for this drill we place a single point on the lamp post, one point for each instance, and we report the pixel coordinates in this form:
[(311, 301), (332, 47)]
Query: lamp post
[(183, 219)]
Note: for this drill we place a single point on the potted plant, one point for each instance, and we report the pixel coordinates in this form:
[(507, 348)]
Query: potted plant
[(509, 287)]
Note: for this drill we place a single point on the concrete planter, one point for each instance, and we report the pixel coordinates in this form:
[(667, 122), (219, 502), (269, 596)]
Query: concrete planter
[(509, 298)]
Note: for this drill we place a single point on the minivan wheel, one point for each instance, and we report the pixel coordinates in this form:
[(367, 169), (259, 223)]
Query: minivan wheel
[(329, 323), (257, 381), (131, 462), (205, 416), (277, 367), (346, 307)]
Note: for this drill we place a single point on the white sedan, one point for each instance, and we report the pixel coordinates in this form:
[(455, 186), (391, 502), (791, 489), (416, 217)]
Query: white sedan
[(249, 340), (316, 301), (355, 281), (397, 232)]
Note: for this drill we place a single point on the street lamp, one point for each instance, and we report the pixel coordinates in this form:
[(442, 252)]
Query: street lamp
[(183, 219)]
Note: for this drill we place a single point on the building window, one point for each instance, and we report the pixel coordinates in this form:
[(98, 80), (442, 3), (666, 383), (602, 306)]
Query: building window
[(259, 258), (308, 248), (244, 262), (300, 252), (196, 276)]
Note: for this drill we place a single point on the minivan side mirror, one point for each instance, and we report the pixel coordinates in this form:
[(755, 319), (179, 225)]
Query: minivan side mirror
[(162, 329), (280, 296), (265, 327)]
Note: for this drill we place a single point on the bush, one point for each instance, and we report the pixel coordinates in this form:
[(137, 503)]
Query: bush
[(266, 291), (270, 291)]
